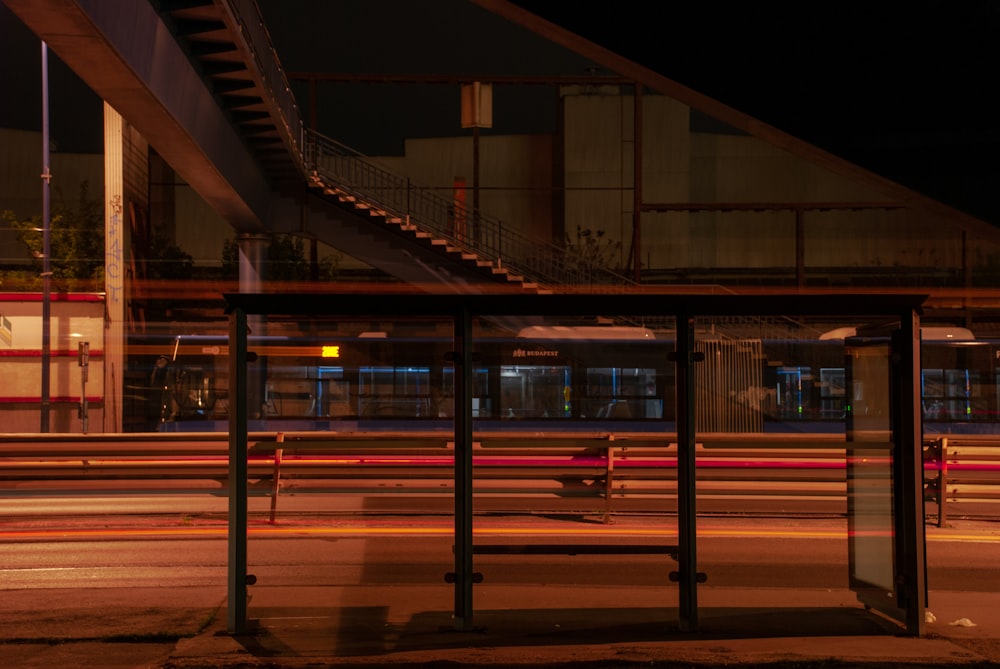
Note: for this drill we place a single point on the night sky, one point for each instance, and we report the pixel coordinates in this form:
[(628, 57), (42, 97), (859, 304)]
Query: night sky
[(904, 89), (74, 110)]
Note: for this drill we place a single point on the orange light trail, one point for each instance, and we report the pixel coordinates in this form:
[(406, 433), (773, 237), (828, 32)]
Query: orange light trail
[(398, 530)]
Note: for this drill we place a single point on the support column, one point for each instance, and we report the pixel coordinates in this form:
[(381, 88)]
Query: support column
[(115, 242)]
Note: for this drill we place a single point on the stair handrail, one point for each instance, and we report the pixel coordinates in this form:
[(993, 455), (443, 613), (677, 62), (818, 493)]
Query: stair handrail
[(468, 229), (261, 53)]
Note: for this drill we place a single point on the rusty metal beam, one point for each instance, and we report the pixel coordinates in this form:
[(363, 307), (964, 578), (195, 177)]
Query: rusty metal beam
[(513, 80)]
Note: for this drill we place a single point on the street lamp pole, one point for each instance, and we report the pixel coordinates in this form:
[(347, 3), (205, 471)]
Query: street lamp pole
[(477, 112), (46, 261)]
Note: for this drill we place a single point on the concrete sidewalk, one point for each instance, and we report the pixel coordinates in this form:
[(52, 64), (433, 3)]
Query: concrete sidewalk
[(412, 626)]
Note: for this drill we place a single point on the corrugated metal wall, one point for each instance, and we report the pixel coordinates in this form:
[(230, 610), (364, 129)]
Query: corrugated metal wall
[(726, 381)]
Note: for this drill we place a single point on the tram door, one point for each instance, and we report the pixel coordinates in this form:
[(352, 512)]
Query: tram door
[(879, 536)]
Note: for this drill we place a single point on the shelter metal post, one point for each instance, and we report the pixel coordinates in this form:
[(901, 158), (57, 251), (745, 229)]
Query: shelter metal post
[(238, 472), (686, 510), (463, 471), (909, 446)]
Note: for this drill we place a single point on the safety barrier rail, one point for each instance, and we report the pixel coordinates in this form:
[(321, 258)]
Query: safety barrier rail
[(961, 468), (609, 472)]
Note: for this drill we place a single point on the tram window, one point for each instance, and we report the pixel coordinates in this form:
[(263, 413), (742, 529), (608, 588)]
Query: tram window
[(393, 392), (333, 391), (443, 398), (794, 386), (994, 412), (534, 391), (832, 392), (953, 394), (621, 392), (960, 385), (955, 383), (932, 391)]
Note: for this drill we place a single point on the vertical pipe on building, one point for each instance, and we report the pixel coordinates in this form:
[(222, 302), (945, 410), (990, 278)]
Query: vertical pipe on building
[(475, 185), (800, 248), (312, 103), (966, 278), (637, 185), (46, 247)]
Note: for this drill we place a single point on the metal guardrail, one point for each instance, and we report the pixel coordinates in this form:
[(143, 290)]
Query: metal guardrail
[(489, 238), (961, 468), (603, 468)]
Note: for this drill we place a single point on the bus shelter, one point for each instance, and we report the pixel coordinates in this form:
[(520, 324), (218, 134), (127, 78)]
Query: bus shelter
[(883, 436)]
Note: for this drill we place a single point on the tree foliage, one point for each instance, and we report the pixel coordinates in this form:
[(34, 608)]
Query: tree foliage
[(76, 241), (76, 246), (166, 260)]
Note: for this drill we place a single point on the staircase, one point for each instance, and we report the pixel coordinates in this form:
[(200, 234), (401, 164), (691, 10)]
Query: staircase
[(467, 240)]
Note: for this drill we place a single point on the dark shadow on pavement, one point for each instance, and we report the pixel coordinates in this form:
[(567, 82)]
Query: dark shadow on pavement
[(365, 631)]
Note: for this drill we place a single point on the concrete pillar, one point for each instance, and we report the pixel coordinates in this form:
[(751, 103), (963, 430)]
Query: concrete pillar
[(115, 262)]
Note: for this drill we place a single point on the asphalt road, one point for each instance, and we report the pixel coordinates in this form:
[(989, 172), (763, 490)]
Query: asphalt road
[(141, 551), (369, 590)]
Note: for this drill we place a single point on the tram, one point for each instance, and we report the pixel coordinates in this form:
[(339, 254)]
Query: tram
[(590, 378)]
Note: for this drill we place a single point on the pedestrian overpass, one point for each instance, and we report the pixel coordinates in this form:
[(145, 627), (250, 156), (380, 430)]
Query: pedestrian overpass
[(200, 81)]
